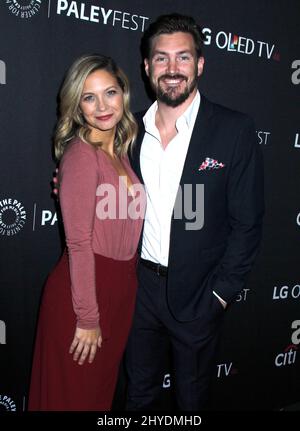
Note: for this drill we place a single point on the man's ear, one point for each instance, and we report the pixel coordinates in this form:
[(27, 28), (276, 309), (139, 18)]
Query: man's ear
[(200, 65), (146, 64)]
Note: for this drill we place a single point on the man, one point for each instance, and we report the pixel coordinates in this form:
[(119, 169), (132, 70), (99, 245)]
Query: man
[(190, 153)]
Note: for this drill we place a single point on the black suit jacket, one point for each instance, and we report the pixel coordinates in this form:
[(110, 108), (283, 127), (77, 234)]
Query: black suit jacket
[(218, 256)]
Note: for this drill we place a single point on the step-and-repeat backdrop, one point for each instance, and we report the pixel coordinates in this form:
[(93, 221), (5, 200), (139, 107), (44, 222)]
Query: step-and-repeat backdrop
[(252, 64)]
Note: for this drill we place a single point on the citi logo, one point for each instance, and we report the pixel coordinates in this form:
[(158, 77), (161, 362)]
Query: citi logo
[(296, 334), (2, 332), (288, 357), (224, 370), (2, 72), (243, 45), (285, 292), (295, 78)]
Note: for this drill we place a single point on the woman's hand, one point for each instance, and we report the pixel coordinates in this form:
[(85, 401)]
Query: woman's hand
[(85, 343), (55, 184)]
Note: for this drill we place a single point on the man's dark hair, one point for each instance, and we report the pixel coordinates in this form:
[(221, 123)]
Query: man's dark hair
[(172, 23)]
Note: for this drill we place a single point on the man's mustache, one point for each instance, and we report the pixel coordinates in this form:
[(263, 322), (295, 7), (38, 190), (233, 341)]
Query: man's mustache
[(169, 76)]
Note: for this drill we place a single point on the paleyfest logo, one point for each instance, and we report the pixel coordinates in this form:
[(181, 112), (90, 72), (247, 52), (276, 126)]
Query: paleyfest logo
[(87, 11), (24, 8)]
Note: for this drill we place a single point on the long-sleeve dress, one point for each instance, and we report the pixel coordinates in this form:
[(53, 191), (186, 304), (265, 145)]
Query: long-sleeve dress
[(94, 282)]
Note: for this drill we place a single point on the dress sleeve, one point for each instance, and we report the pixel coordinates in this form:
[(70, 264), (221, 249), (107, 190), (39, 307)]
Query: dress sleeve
[(78, 174)]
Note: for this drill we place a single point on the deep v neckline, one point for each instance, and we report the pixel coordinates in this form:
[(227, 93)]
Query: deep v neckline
[(129, 189)]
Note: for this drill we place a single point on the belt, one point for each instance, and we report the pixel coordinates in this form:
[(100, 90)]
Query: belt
[(156, 267)]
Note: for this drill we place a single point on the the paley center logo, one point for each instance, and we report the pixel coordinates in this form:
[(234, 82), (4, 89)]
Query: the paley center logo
[(24, 8), (12, 216), (7, 403), (241, 44)]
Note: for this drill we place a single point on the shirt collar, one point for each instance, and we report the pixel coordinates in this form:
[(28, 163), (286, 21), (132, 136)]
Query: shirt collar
[(188, 117), (191, 112)]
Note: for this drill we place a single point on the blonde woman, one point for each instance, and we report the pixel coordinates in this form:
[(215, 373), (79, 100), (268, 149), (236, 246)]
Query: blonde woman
[(89, 298)]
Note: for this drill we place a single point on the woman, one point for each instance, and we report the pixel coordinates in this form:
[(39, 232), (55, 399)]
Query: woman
[(89, 298)]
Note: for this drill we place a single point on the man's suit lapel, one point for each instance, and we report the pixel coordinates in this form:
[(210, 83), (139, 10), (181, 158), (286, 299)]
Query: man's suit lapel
[(199, 143), (197, 150), (135, 152)]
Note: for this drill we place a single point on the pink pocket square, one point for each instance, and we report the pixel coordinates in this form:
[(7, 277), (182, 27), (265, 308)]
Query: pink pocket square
[(210, 164)]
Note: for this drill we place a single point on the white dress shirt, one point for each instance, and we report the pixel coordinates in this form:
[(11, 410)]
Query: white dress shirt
[(161, 170)]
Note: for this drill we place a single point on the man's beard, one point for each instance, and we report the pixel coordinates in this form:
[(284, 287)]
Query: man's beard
[(168, 95)]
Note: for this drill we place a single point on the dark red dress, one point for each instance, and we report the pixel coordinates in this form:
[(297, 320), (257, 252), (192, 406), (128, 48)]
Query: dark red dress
[(59, 383), (94, 283)]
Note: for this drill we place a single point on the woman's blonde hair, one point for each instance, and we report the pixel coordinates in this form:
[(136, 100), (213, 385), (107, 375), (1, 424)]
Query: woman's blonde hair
[(71, 122)]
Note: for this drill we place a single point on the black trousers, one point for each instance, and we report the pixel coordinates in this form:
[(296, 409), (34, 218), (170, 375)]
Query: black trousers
[(193, 348)]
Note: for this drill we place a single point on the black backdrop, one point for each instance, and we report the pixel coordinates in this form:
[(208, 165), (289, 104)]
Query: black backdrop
[(252, 65)]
